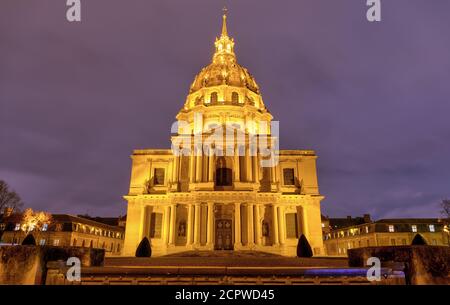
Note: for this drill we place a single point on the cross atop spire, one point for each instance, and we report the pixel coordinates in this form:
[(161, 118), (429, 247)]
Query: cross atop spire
[(224, 25)]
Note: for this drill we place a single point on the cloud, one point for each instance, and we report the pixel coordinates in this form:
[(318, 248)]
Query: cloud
[(371, 99)]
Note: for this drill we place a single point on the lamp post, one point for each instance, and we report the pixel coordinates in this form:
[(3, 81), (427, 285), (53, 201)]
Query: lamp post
[(447, 231)]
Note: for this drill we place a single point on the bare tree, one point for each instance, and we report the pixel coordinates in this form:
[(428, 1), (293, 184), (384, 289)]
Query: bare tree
[(9, 198), (446, 208)]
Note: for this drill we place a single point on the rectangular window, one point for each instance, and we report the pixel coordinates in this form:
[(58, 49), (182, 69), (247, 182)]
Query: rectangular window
[(155, 225), (158, 176), (431, 227), (291, 225), (56, 242), (289, 178), (392, 242), (17, 228), (391, 228), (414, 228), (45, 227), (404, 242), (2, 226), (42, 242), (367, 229)]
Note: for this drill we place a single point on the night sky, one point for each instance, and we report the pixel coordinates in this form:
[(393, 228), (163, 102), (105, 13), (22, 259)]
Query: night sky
[(373, 99)]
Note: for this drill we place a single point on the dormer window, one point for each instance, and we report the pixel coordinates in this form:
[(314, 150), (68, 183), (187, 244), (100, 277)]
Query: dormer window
[(288, 175), (235, 98), (158, 176), (214, 98)]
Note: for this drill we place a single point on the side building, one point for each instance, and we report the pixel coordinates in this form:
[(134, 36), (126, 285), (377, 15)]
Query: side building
[(67, 230), (383, 232)]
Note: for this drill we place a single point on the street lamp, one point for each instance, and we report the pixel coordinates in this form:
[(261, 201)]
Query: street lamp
[(447, 230)]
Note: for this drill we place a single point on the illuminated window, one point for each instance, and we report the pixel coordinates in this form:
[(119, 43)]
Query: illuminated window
[(2, 226), (58, 227), (56, 242), (42, 242), (291, 225), (414, 228), (431, 227), (158, 178), (289, 178), (367, 229), (391, 228), (45, 227), (17, 228), (323, 225)]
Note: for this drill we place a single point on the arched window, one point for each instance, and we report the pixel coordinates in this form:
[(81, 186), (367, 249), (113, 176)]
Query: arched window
[(214, 98), (235, 98), (223, 174)]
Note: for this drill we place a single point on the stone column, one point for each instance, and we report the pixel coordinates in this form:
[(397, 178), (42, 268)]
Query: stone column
[(172, 224), (237, 225), (236, 164), (192, 167), (197, 225), (198, 175), (190, 225), (248, 165), (175, 169), (257, 225), (210, 224), (282, 224), (275, 225), (255, 169), (250, 225), (166, 224), (273, 173), (211, 166)]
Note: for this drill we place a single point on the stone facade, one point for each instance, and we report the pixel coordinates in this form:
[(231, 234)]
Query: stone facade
[(214, 190), (64, 231), (385, 232)]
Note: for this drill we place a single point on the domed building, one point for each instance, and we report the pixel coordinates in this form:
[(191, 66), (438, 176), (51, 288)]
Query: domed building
[(224, 184)]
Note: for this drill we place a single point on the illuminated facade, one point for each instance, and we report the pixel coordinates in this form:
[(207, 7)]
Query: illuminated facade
[(221, 195)]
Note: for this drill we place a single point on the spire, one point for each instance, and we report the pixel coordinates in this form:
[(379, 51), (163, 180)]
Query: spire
[(224, 25), (224, 44)]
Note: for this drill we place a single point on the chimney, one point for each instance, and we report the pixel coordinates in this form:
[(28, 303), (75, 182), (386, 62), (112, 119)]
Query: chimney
[(367, 218), (8, 211)]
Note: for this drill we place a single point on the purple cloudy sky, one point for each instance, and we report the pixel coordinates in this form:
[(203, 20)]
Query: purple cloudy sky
[(372, 99)]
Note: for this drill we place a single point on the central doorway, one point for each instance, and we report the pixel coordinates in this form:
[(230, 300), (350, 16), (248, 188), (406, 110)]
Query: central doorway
[(224, 235)]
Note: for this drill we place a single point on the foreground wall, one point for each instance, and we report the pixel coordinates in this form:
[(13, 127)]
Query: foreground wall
[(421, 264), (27, 265)]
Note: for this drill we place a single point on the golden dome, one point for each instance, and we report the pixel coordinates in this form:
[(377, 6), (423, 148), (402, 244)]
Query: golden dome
[(224, 69)]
